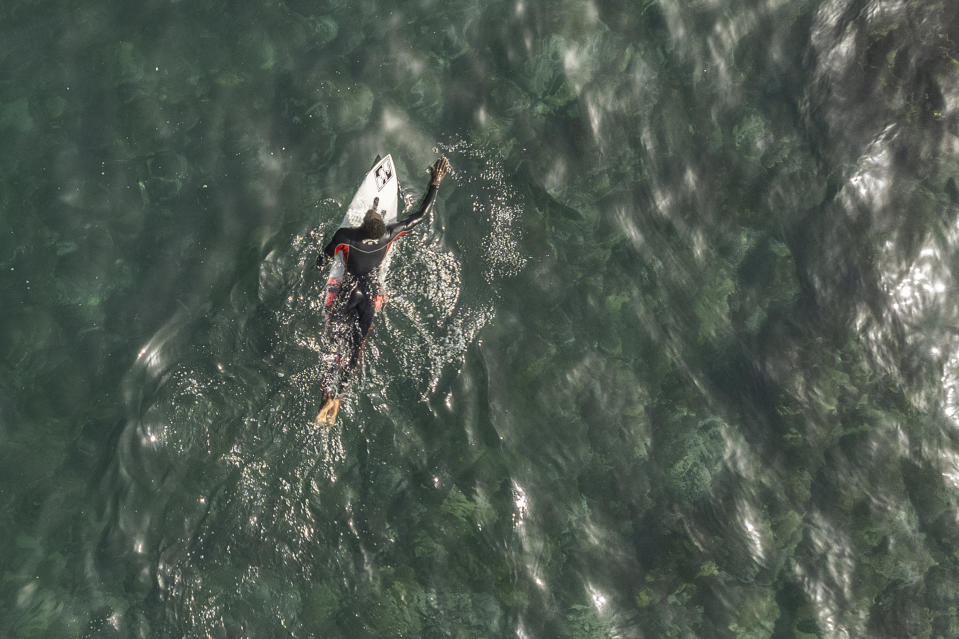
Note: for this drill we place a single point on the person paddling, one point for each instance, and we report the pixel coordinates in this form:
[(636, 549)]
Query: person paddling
[(364, 247)]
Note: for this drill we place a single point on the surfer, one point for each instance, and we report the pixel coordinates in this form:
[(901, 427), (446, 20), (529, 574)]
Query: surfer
[(364, 248)]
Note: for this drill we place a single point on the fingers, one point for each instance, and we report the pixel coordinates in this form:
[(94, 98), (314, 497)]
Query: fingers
[(440, 169)]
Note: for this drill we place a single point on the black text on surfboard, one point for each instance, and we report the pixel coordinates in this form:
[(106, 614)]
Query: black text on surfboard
[(383, 174)]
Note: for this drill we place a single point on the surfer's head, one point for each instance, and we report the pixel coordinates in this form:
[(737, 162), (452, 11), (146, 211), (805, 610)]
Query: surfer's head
[(373, 225)]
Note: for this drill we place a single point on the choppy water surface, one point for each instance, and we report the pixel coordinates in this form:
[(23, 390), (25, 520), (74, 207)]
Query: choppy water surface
[(676, 357)]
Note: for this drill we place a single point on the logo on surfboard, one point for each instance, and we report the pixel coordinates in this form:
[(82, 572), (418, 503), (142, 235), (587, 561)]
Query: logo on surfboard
[(383, 174)]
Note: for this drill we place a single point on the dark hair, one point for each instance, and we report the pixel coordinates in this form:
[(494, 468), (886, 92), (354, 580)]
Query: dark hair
[(373, 225)]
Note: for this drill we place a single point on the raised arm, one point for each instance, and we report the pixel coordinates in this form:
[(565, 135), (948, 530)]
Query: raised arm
[(438, 171)]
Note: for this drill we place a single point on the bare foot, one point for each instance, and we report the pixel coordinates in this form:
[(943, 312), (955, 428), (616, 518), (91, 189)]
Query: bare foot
[(328, 413)]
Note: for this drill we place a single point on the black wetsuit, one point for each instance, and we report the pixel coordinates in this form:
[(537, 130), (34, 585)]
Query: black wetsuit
[(363, 257)]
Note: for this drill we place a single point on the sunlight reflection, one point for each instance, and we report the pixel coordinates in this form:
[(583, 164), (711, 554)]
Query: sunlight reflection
[(494, 198), (407, 60), (114, 620), (726, 36), (663, 200), (672, 11), (950, 382), (869, 186), (749, 517), (595, 119), (573, 63), (917, 292), (532, 546), (392, 121), (741, 458), (403, 136), (627, 223), (26, 594), (836, 58), (833, 544), (592, 12), (153, 355), (555, 179), (333, 451), (888, 11), (949, 463), (273, 168), (521, 501), (153, 434), (921, 288), (597, 597)]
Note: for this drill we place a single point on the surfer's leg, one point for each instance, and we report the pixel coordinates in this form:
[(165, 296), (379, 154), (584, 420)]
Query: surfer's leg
[(372, 302), (337, 337), (365, 312), (341, 333)]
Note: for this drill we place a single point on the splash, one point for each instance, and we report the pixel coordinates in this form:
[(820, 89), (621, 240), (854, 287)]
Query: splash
[(493, 198), (434, 310)]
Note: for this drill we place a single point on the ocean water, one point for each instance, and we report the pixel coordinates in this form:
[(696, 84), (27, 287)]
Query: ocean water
[(677, 355)]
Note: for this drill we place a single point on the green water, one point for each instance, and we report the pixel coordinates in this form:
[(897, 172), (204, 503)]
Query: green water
[(676, 356)]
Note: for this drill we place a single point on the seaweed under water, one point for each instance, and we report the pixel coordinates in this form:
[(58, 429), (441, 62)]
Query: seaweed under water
[(675, 357)]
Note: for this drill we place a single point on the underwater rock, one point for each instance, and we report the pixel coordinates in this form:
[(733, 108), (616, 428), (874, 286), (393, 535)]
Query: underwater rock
[(16, 115), (693, 457), (324, 29), (130, 64), (30, 343), (348, 104), (320, 606), (755, 613)]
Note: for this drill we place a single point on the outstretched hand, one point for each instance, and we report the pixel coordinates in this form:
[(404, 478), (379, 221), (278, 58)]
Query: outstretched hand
[(439, 171)]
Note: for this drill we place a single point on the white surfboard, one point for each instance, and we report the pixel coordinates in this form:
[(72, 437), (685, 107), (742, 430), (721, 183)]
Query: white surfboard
[(380, 186)]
